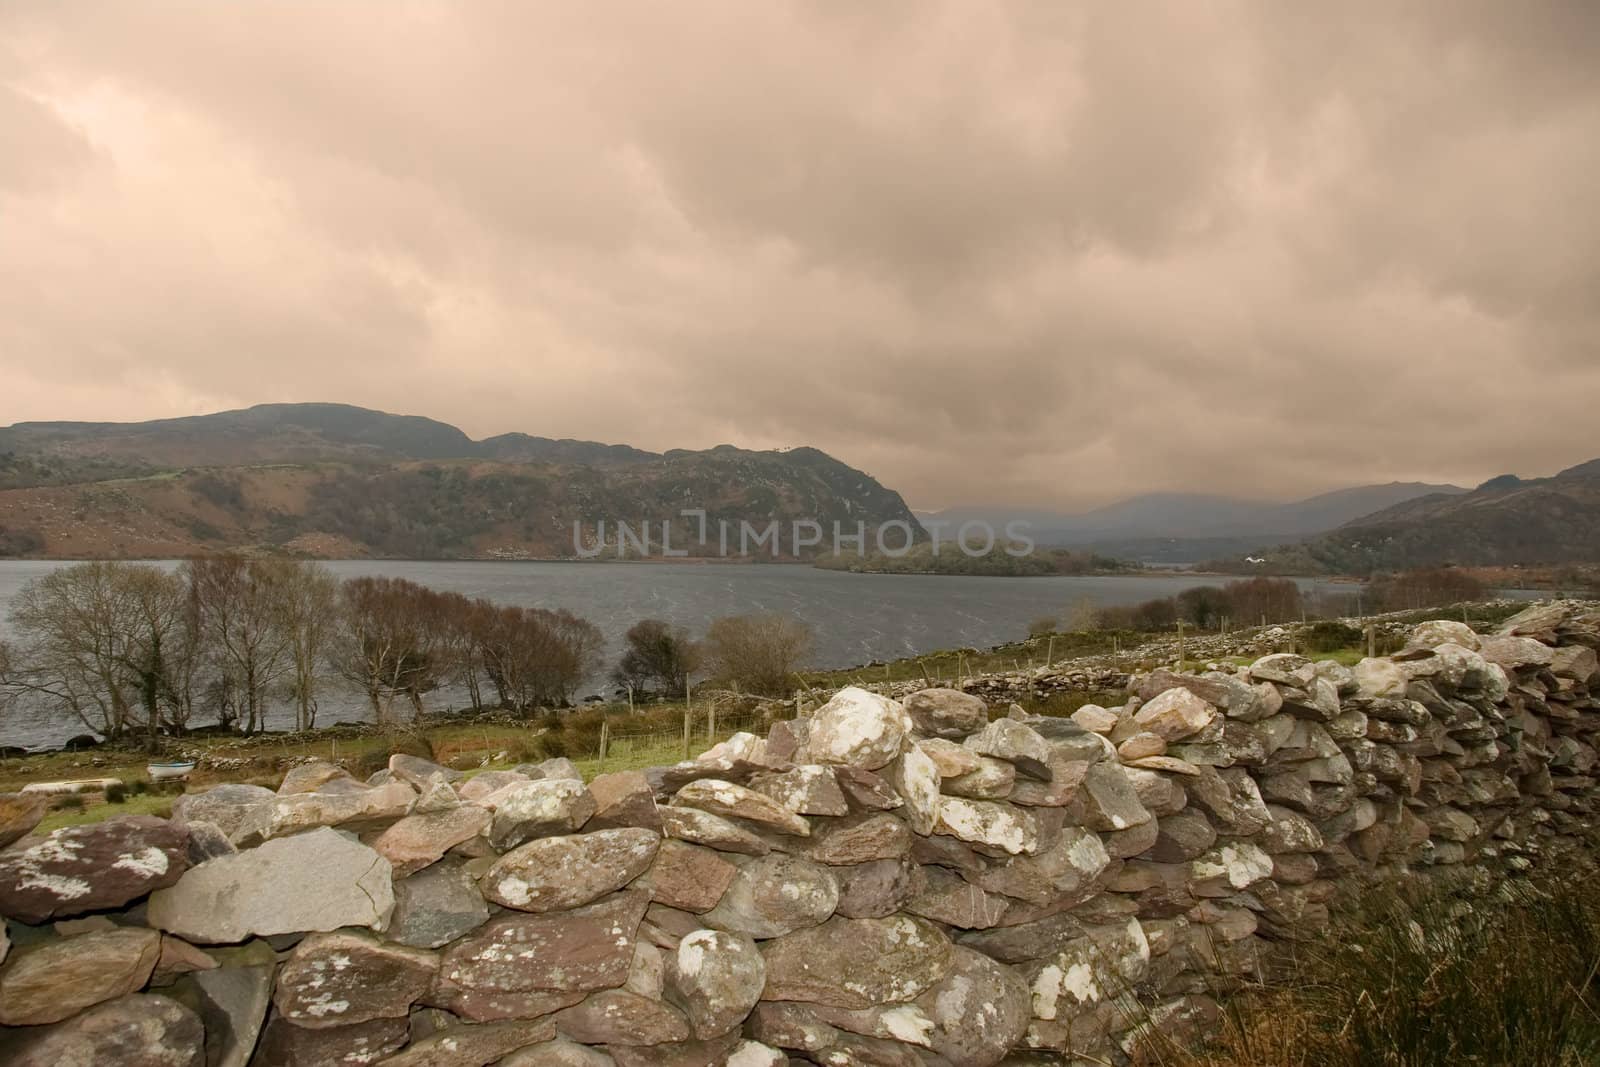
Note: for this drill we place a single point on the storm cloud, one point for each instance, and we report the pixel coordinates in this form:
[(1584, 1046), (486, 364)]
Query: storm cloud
[(1047, 254)]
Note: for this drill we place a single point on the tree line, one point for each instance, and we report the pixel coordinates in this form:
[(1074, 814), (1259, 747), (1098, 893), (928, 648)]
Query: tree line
[(135, 651)]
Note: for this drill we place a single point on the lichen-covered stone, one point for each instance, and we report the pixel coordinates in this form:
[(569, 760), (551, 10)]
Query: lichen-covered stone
[(715, 978), (548, 806), (739, 802), (687, 876), (138, 1030), (858, 729), (856, 963), (551, 873), (91, 868), (341, 978), (988, 823), (774, 895)]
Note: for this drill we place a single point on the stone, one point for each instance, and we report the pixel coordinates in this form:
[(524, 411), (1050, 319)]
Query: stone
[(791, 1025), (1032, 940), (473, 1045), (1064, 872), (739, 802), (477, 787), (262, 891), (988, 823), (1436, 632), (810, 789), (713, 831), (1108, 800), (556, 768), (947, 713), (623, 798), (1094, 968), (1017, 744), (420, 773), (550, 873), (1095, 719), (1233, 866), (59, 978), (356, 808), (1380, 678), (950, 759), (715, 978), (979, 1010), (1142, 746), (232, 1003), (310, 776), (91, 868), (775, 895), (1182, 837), (540, 808), (558, 1053), (876, 889), (1174, 715), (857, 839), (992, 779), (178, 957), (19, 814), (582, 950), (687, 876), (417, 841), (1159, 793), (206, 842), (858, 729), (678, 1054), (915, 777), (867, 791), (857, 963), (945, 897), (138, 1030), (435, 906), (342, 978), (1066, 775), (755, 1054), (1232, 799), (1284, 668), (621, 1017)]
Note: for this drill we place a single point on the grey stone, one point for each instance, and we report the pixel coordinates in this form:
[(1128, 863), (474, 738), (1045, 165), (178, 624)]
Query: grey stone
[(262, 891), (552, 873)]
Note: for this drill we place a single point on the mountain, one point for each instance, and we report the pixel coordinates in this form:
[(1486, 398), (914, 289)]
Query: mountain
[(1506, 520), (1184, 527), (334, 480)]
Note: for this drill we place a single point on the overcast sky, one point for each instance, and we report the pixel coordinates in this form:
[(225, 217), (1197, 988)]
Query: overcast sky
[(992, 253)]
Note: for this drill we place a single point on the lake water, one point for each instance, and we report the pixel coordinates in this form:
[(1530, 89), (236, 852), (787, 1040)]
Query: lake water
[(857, 618)]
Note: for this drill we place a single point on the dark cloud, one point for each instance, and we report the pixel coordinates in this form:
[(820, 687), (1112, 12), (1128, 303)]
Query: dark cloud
[(1028, 253)]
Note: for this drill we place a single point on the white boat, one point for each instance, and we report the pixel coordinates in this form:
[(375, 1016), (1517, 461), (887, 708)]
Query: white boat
[(160, 772)]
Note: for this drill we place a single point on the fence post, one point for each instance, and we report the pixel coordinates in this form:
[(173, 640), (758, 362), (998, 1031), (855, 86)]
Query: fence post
[(688, 716), (1372, 639), (1180, 646), (711, 723), (1050, 653), (605, 738)]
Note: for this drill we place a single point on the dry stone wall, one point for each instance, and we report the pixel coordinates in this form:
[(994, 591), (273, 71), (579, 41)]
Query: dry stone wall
[(884, 882)]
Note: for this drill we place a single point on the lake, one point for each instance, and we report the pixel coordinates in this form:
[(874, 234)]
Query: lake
[(857, 618)]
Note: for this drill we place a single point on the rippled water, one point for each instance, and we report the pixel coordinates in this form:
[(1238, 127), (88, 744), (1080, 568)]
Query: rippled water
[(857, 617)]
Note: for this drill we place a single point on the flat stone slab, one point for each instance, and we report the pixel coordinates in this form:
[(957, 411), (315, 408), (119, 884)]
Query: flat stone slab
[(91, 868), (310, 882)]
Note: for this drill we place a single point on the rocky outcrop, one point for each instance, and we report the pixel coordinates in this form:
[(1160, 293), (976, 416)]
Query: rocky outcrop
[(886, 882)]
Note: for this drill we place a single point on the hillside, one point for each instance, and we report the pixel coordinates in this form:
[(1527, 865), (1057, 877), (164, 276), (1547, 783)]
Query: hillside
[(332, 480), (1506, 520)]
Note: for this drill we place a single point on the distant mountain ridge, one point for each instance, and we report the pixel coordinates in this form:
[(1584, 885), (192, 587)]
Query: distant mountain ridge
[(338, 480), (1506, 520), (1143, 523)]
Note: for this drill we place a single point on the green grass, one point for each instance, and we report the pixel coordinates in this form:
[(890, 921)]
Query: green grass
[(147, 804)]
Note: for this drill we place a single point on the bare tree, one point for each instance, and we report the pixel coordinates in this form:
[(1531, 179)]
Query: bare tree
[(306, 614), (390, 642), (105, 642), (236, 601), (759, 653), (532, 656)]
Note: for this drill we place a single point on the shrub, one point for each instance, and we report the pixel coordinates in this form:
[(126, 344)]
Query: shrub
[(759, 653), (1330, 637), (1045, 624), (71, 802), (116, 793)]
